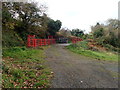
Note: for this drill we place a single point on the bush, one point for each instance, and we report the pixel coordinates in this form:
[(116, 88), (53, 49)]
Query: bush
[(11, 39), (81, 44), (111, 48), (98, 33)]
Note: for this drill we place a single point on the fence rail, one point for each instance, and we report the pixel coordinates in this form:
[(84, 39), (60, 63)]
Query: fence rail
[(33, 42)]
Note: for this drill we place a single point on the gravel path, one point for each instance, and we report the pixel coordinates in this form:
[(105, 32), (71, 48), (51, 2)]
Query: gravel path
[(76, 71)]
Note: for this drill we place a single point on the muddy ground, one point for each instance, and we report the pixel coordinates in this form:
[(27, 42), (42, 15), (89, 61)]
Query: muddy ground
[(73, 70)]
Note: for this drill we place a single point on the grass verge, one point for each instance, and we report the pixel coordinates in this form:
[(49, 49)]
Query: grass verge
[(94, 54), (23, 68)]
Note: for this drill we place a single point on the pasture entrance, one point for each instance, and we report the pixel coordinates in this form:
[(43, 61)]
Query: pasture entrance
[(33, 42), (62, 40)]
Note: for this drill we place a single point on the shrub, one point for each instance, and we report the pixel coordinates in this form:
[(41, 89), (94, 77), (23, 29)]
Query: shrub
[(81, 44), (98, 33)]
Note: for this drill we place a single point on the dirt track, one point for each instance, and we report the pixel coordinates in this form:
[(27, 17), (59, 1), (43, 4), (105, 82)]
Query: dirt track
[(75, 71)]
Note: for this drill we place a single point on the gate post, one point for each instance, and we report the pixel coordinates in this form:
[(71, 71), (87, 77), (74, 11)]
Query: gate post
[(34, 40)]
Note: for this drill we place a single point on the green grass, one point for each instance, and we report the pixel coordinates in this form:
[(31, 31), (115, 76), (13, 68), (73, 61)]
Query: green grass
[(94, 54), (23, 68)]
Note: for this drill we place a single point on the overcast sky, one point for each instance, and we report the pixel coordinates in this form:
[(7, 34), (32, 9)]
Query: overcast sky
[(81, 14)]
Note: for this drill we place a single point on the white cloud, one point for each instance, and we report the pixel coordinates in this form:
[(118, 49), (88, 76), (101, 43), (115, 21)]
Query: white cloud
[(81, 13)]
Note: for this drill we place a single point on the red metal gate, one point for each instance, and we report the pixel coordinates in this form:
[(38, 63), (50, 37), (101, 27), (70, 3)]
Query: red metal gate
[(33, 42)]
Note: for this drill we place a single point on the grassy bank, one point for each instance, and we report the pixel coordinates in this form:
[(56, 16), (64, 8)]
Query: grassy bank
[(23, 68), (94, 54), (11, 38)]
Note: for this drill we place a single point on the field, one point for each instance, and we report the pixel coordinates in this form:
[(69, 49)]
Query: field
[(23, 68), (82, 49)]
